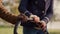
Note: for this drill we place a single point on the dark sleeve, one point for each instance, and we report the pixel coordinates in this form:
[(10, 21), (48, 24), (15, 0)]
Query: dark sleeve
[(23, 7), (49, 13)]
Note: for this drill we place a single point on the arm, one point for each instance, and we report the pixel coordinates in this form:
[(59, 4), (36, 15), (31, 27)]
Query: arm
[(7, 16), (49, 13), (23, 7)]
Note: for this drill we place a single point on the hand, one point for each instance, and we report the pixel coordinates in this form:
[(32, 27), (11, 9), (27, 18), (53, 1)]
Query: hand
[(43, 25), (36, 19), (23, 17)]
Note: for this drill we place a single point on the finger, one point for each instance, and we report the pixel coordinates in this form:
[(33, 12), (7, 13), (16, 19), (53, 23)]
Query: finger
[(44, 29), (41, 25)]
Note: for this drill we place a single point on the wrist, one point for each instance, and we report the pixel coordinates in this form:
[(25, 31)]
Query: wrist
[(46, 19), (42, 21)]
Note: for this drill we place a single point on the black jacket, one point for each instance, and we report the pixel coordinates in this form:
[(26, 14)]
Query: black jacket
[(41, 8)]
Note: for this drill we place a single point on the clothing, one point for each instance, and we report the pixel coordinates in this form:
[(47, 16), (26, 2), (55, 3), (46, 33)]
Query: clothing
[(32, 31), (41, 8)]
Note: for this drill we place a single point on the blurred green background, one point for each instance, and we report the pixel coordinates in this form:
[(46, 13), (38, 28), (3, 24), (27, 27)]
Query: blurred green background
[(12, 6)]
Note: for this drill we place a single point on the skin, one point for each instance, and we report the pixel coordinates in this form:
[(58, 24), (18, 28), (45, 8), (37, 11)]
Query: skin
[(37, 20), (0, 1)]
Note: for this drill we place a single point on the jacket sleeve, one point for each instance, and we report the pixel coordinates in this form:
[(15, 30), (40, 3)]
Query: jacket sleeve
[(49, 13), (23, 7)]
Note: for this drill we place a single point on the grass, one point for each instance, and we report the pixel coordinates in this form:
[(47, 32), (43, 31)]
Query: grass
[(9, 30), (54, 31)]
